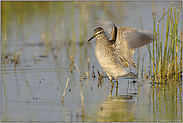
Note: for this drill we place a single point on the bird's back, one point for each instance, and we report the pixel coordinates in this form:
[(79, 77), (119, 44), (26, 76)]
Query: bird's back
[(121, 49)]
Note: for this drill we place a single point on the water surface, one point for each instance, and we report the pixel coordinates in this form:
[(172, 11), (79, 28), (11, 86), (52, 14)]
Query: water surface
[(32, 88)]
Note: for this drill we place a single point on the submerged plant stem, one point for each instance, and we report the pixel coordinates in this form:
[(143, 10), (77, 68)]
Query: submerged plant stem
[(65, 89)]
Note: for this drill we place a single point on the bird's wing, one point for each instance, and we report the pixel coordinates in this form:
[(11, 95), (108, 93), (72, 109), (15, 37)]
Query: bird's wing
[(127, 40), (134, 38)]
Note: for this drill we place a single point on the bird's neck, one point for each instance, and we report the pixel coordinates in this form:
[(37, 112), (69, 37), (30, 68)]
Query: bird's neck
[(102, 41)]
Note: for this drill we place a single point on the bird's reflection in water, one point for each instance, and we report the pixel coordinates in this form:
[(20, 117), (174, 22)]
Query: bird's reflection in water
[(126, 97), (117, 108)]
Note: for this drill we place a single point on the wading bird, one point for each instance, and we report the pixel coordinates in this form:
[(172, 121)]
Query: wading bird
[(115, 54)]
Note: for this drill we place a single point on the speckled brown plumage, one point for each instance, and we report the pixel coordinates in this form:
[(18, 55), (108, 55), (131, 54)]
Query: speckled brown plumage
[(115, 54)]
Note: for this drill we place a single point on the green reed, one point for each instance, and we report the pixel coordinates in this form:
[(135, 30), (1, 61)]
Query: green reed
[(166, 60), (139, 52), (17, 54), (4, 17), (73, 24), (17, 34)]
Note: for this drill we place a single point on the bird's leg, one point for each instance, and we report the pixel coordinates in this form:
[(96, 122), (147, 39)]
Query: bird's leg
[(116, 92), (112, 84), (111, 92), (116, 82)]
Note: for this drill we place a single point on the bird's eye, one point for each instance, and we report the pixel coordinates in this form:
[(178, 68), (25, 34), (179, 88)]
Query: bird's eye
[(99, 32)]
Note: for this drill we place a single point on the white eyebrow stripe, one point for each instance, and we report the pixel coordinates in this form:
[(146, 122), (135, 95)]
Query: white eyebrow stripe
[(99, 32)]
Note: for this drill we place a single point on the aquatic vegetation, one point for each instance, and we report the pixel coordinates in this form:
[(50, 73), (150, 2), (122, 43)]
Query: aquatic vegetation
[(165, 55), (167, 60)]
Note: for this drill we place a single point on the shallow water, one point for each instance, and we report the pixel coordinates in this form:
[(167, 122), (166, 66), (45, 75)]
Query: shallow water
[(32, 89)]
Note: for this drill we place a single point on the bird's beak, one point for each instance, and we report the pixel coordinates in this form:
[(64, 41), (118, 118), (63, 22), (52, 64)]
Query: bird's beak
[(91, 38)]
